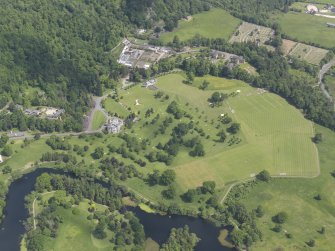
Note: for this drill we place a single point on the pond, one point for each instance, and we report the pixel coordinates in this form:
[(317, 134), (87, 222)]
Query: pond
[(156, 226)]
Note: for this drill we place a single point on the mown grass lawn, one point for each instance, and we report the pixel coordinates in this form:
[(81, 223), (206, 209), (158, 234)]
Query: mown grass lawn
[(306, 216), (216, 23), (98, 120), (114, 107)]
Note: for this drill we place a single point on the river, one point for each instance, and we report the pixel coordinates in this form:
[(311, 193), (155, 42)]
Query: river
[(156, 226)]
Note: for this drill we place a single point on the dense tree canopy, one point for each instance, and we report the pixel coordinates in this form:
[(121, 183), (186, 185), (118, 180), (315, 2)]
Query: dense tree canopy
[(61, 48), (180, 240)]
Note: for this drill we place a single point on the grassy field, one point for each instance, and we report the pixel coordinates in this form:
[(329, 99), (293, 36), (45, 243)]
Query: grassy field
[(276, 136), (278, 139), (112, 107), (98, 120), (75, 231), (306, 216), (307, 28), (202, 24), (24, 158), (248, 32), (219, 83)]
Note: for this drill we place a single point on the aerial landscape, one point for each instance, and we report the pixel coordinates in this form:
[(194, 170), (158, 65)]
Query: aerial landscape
[(180, 125)]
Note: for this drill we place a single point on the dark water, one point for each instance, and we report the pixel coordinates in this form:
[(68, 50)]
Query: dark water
[(158, 228), (155, 226), (11, 228)]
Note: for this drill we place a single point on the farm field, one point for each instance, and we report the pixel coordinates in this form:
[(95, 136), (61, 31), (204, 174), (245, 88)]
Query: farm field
[(296, 198), (276, 137), (307, 28), (308, 53), (248, 32), (202, 24), (287, 46)]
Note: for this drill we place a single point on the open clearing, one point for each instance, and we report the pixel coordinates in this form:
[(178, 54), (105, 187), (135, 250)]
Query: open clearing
[(307, 28), (275, 136), (248, 32), (202, 24), (310, 54), (296, 198)]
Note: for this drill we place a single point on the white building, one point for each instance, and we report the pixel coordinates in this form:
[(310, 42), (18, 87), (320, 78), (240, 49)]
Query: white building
[(114, 125), (312, 9), (149, 83)]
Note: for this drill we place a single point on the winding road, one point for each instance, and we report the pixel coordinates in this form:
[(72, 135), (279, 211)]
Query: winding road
[(325, 68), (97, 107)]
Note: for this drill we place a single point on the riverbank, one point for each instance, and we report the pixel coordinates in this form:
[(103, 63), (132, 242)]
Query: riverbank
[(156, 226)]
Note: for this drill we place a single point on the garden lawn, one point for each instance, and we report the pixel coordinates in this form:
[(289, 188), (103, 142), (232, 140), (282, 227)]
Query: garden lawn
[(216, 23)]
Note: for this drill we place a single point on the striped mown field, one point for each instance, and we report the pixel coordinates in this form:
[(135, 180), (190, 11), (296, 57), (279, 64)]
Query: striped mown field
[(277, 138)]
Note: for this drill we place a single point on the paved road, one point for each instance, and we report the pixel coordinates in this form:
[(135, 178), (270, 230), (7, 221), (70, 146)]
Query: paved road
[(322, 72), (97, 107), (47, 135)]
